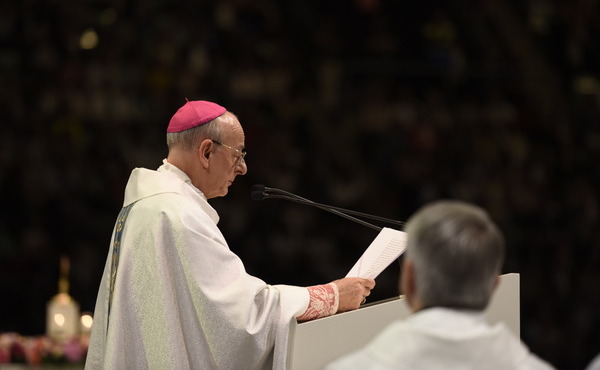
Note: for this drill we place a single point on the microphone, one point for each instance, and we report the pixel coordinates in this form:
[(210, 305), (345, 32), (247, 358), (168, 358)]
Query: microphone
[(261, 192)]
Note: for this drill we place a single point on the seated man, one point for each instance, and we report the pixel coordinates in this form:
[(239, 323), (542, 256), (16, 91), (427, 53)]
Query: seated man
[(453, 257)]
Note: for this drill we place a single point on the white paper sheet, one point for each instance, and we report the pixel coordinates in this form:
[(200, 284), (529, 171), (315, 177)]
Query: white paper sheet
[(384, 249)]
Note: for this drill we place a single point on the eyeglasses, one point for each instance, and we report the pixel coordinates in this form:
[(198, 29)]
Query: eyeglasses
[(242, 153)]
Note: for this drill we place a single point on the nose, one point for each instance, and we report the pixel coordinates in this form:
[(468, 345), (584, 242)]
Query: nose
[(241, 168)]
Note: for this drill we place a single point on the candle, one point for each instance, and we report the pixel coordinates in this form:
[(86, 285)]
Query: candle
[(86, 323)]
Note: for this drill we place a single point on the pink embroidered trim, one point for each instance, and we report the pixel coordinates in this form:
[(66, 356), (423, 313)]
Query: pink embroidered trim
[(324, 301)]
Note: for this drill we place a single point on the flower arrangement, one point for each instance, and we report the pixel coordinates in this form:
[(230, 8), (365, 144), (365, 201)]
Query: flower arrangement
[(40, 350)]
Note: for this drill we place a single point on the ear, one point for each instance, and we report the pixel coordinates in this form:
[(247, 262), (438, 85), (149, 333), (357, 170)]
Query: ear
[(407, 282), (205, 151), (408, 286), (496, 283)]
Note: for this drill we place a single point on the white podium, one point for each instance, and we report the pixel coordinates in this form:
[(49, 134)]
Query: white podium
[(313, 344)]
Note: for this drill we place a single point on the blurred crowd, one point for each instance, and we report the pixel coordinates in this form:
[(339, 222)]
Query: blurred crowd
[(374, 105)]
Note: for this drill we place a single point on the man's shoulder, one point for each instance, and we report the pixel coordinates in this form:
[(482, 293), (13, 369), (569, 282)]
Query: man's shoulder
[(157, 185), (375, 355), (170, 204)]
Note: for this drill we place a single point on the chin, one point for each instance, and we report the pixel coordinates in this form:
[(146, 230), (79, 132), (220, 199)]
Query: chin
[(218, 194)]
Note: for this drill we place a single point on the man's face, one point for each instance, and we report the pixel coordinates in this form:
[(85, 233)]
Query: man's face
[(228, 161)]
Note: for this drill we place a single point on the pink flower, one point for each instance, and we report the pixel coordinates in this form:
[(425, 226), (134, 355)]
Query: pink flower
[(74, 352), (4, 356)]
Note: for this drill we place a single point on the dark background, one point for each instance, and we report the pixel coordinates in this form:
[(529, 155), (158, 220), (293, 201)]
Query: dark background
[(374, 105)]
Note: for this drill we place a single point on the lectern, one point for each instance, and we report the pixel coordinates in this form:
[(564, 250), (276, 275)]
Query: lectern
[(313, 344)]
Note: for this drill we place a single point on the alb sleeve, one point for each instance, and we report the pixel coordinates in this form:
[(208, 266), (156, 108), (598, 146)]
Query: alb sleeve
[(324, 301)]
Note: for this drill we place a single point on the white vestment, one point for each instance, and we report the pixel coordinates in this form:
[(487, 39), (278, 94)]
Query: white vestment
[(439, 338), (595, 364), (182, 299)]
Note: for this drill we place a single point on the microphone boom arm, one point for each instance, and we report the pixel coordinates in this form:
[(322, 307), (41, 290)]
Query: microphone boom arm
[(268, 193), (320, 206)]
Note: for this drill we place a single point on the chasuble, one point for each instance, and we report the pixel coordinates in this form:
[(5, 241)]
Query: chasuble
[(174, 296)]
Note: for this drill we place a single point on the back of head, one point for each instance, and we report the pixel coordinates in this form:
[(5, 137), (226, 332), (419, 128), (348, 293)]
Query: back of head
[(457, 252)]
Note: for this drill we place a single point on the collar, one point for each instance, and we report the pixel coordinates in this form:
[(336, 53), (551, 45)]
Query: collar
[(171, 168)]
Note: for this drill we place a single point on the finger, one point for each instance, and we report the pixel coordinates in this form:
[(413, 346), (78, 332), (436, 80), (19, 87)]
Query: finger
[(369, 283)]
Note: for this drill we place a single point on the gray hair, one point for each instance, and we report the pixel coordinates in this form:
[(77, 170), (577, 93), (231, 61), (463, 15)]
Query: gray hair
[(189, 139), (457, 252)]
